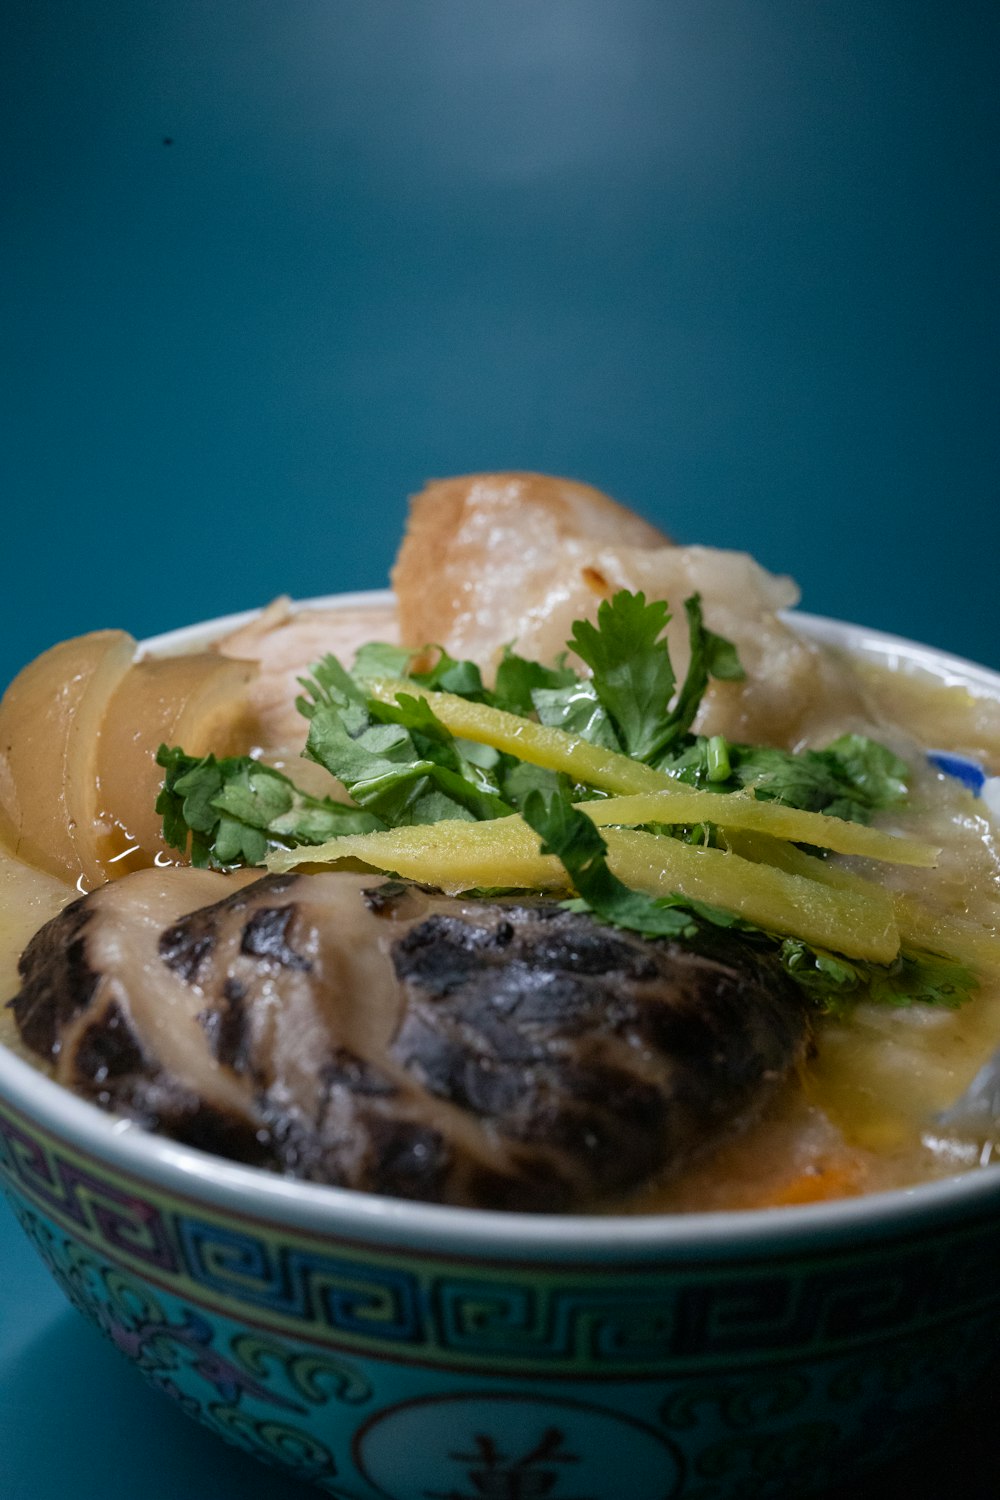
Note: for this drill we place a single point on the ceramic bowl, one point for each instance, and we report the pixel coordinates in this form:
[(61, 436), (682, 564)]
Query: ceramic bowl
[(389, 1349)]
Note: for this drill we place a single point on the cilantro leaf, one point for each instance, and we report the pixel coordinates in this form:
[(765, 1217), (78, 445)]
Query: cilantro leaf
[(463, 678), (235, 810), (399, 761), (850, 779), (876, 776), (632, 672), (921, 978), (832, 981), (519, 778), (633, 678), (518, 680), (472, 763), (576, 709), (576, 842), (711, 656), (827, 979), (377, 659), (332, 686)]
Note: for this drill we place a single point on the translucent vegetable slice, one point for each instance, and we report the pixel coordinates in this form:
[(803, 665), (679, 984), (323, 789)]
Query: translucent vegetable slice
[(49, 720)]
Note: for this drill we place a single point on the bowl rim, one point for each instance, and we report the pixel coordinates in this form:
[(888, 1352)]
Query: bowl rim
[(189, 1173)]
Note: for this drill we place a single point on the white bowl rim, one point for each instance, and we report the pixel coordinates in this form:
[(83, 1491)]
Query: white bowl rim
[(347, 1214)]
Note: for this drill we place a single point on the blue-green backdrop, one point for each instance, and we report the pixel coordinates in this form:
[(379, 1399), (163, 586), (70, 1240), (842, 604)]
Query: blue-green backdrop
[(268, 264)]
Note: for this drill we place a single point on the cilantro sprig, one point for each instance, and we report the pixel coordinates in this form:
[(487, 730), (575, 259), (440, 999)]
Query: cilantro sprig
[(830, 982), (569, 834), (231, 812), (628, 702), (833, 982), (400, 765), (851, 778)]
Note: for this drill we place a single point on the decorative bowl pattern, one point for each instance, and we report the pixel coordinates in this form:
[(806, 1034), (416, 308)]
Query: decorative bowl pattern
[(390, 1349)]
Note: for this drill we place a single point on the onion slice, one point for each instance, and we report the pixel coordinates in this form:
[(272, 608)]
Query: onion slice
[(79, 731), (197, 701), (49, 719)]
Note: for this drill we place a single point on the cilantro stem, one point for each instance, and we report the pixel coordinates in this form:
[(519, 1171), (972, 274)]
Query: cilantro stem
[(719, 768)]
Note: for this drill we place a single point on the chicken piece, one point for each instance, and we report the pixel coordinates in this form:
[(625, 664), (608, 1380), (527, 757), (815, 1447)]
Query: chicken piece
[(483, 553), (285, 641), (490, 559), (499, 1053)]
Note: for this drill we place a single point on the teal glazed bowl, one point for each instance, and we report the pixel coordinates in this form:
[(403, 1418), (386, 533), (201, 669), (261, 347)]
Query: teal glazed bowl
[(382, 1348)]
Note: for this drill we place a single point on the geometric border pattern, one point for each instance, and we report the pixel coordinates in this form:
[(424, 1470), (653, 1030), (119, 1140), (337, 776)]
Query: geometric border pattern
[(329, 1419), (540, 1320)]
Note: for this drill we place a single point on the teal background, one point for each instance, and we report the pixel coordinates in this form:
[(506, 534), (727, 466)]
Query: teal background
[(734, 261)]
